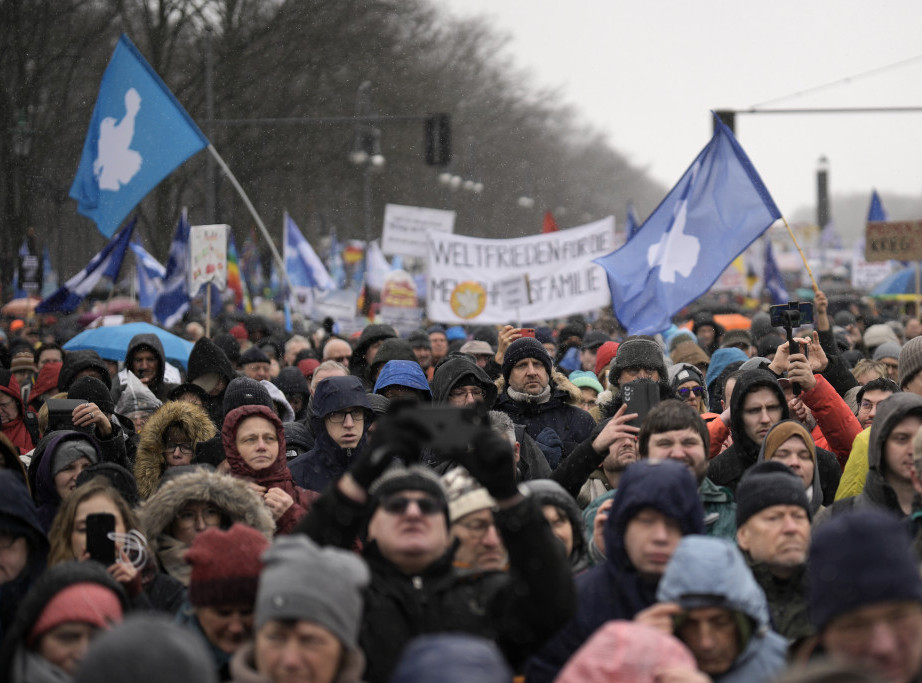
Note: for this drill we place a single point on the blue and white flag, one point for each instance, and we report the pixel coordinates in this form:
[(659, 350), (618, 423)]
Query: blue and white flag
[(876, 211), (714, 212), (106, 263), (173, 299), (306, 271), (772, 279), (150, 276), (138, 134), (23, 253), (631, 223), (335, 261)]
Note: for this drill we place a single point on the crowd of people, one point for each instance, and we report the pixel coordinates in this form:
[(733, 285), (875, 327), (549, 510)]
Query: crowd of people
[(465, 504)]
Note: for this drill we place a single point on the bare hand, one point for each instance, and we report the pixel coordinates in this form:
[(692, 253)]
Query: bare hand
[(799, 371), (256, 487), (598, 524), (816, 355), (506, 336), (680, 674), (278, 502), (89, 415), (616, 428), (779, 364), (659, 616)]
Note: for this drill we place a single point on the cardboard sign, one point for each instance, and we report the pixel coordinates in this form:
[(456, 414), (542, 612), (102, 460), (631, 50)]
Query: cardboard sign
[(898, 240), (207, 256)]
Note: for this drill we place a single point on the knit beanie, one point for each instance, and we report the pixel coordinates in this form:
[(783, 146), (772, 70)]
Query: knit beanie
[(768, 344), (23, 361), (243, 391), (93, 390), (689, 352), (604, 356), (879, 334), (254, 354), (70, 450), (594, 339), (225, 566), (859, 558), (418, 339), (735, 338), (455, 332), (545, 335), (525, 347), (637, 352), (887, 350), (87, 603), (465, 494), (766, 484), (910, 360), (398, 477), (307, 366), (760, 326), (332, 597), (585, 378), (291, 381), (119, 478)]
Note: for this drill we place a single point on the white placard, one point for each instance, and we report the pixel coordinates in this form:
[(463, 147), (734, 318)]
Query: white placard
[(207, 256), (405, 228), (463, 274), (867, 275), (513, 292), (339, 304)]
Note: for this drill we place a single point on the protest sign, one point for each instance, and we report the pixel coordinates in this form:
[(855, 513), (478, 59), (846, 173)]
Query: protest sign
[(898, 240), (405, 228), (207, 256)]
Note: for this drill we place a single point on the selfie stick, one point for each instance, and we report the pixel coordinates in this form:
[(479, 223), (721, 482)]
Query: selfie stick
[(790, 319)]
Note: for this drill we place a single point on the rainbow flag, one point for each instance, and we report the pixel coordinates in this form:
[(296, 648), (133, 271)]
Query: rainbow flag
[(235, 281)]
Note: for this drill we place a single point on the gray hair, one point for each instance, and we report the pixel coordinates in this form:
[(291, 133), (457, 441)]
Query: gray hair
[(323, 367), (502, 424)]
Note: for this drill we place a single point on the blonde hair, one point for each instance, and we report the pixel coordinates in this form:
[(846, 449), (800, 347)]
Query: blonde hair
[(866, 365)]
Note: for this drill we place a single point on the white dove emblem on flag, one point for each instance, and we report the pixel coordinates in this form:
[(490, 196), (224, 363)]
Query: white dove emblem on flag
[(116, 164), (676, 252)]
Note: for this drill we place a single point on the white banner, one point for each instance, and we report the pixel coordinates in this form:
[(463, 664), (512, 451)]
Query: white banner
[(207, 256), (866, 275), (405, 228), (464, 274)]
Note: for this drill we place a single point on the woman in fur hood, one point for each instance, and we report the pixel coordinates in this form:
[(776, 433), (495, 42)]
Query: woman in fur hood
[(188, 504), (168, 440)]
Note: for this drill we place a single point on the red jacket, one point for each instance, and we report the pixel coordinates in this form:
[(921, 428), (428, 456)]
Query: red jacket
[(15, 430)]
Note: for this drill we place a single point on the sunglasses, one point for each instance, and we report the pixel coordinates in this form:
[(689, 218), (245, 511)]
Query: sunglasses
[(397, 505), (685, 392)]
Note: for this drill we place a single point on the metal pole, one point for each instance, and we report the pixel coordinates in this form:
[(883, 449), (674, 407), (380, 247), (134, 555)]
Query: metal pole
[(210, 186)]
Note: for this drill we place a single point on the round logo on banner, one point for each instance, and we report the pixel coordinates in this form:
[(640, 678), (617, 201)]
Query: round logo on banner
[(468, 299)]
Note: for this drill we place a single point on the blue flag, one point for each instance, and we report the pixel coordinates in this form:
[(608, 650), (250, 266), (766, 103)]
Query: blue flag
[(335, 262), (150, 276), (772, 278), (106, 263), (876, 211), (306, 271), (138, 134), (631, 223), (173, 299), (714, 212)]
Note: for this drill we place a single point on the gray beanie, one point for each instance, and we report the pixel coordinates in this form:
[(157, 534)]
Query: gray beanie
[(887, 350), (910, 360), (638, 352), (302, 581), (398, 477), (71, 450)]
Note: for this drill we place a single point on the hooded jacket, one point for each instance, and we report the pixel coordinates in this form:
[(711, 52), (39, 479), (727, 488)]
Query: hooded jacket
[(276, 475), (370, 335), (15, 430), (404, 373), (614, 589), (150, 342), (715, 568), (45, 383), (136, 397), (390, 349), (150, 463), (207, 358), (816, 493), (560, 412), (326, 461), (41, 479), (450, 375), (76, 362), (237, 501), (19, 518), (549, 492)]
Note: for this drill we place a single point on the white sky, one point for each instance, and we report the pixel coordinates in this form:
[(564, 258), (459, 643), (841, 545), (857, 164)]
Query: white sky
[(648, 72)]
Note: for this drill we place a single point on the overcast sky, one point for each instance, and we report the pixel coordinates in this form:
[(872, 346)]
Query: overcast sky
[(648, 72)]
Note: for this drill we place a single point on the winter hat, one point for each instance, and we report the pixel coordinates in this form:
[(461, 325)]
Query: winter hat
[(119, 478), (307, 366), (766, 484), (525, 347), (254, 354), (637, 352), (239, 332), (76, 362), (339, 393), (418, 339), (879, 334), (291, 381), (225, 566), (604, 356), (331, 598), (544, 335), (736, 338), (70, 450), (282, 406), (230, 346), (243, 391), (594, 339), (585, 378), (24, 360), (87, 603), (465, 494), (768, 344), (755, 363), (689, 352), (761, 325), (783, 431), (887, 350), (859, 558), (182, 390), (721, 359), (455, 332), (147, 648), (477, 348), (677, 337), (404, 373), (398, 477), (135, 396), (379, 404), (571, 330), (910, 360), (433, 329), (452, 658), (90, 389), (488, 334)]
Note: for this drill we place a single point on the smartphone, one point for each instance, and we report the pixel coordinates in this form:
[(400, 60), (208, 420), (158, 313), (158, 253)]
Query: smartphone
[(641, 396), (452, 429), (798, 312), (99, 543), (527, 331)]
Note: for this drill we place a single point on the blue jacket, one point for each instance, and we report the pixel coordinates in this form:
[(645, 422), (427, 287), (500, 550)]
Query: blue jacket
[(714, 567), (614, 590)]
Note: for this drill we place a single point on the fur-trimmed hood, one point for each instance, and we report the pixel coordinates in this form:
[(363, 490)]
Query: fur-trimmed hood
[(560, 386), (149, 465), (232, 495)]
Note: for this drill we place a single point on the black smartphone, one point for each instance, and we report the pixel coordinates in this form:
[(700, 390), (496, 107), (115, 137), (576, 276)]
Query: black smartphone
[(99, 544), (641, 396), (796, 312), (452, 429)]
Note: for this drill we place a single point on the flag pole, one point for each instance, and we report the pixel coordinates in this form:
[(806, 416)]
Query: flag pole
[(252, 209), (802, 257)]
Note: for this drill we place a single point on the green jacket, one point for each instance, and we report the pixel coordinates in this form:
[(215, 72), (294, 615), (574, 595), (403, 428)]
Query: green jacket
[(787, 601)]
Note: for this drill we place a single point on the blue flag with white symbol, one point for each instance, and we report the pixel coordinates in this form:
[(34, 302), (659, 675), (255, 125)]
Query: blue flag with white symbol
[(106, 263), (150, 276), (306, 271), (714, 212), (173, 299), (138, 134)]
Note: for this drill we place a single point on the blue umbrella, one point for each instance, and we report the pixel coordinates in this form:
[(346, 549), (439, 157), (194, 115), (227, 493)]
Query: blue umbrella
[(111, 343), (901, 282)]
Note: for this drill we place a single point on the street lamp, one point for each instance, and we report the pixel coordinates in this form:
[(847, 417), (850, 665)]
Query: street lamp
[(366, 152)]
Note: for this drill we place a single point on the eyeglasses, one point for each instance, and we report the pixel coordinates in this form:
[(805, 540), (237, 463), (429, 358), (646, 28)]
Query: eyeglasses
[(477, 528), (397, 505), (184, 448), (210, 516), (462, 392), (339, 416), (685, 392)]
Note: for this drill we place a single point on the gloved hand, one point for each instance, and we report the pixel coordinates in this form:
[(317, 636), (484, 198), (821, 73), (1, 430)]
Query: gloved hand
[(491, 461), (395, 436)]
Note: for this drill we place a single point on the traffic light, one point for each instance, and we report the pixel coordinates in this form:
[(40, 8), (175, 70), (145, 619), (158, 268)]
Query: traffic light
[(438, 139)]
